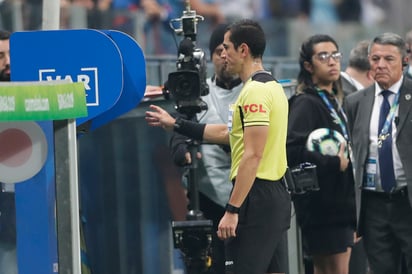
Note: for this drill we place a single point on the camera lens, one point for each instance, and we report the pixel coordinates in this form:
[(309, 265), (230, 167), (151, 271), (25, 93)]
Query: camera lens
[(184, 85), (184, 88)]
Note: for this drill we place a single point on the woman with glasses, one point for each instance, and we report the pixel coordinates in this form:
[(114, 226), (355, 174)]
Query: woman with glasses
[(327, 217)]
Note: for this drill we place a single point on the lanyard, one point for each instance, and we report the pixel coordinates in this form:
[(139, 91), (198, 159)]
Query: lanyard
[(384, 131), (334, 114)]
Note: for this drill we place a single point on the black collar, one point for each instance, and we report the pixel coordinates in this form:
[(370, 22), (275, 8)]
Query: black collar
[(226, 85)]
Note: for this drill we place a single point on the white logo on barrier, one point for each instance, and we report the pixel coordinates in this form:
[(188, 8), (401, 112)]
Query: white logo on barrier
[(38, 104), (7, 103), (87, 76), (65, 101)]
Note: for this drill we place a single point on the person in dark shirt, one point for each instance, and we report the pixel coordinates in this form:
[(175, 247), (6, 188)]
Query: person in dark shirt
[(327, 217)]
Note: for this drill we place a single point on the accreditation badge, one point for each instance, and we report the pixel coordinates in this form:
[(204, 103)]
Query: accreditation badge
[(370, 178), (230, 118)]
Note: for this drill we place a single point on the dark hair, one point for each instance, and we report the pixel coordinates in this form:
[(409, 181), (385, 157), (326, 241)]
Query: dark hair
[(389, 38), (358, 56), (4, 35), (249, 32), (305, 55), (217, 38)]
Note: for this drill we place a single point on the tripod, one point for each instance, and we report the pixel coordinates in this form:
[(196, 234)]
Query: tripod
[(194, 236)]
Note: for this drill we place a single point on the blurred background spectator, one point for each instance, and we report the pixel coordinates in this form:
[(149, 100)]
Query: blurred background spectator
[(285, 21), (408, 41), (286, 24)]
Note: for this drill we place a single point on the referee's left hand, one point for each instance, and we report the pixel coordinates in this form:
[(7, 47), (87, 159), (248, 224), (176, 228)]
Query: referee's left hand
[(227, 226), (158, 117)]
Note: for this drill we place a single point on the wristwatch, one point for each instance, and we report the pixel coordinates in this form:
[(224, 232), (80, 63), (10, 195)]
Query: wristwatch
[(232, 209)]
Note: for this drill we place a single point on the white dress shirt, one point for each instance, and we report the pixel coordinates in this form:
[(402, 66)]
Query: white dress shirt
[(373, 136)]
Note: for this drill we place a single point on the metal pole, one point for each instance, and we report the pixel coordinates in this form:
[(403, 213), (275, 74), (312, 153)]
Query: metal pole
[(17, 17), (67, 193), (51, 14), (67, 197)]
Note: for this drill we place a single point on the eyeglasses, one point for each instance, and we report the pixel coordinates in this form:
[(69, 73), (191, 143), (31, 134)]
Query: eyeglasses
[(324, 57)]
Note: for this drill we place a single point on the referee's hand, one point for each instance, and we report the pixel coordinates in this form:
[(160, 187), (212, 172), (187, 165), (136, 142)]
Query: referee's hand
[(227, 226), (158, 117)]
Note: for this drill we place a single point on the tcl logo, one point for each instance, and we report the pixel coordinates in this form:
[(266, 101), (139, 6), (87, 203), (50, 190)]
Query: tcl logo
[(254, 108)]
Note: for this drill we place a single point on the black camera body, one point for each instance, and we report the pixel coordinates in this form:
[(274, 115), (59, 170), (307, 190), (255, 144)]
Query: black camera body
[(188, 83), (194, 239), (185, 86)]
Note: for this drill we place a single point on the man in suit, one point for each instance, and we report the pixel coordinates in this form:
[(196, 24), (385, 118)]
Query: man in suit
[(357, 74), (380, 126)]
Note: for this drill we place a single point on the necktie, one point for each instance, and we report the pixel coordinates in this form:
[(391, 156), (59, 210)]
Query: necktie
[(385, 151)]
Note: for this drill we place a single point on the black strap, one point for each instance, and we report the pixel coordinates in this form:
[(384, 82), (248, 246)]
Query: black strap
[(241, 118)]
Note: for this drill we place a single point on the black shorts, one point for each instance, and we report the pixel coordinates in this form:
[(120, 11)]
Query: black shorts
[(264, 219), (327, 240)]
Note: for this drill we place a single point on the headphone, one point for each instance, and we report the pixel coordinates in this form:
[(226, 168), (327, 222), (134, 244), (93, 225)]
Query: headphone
[(405, 61)]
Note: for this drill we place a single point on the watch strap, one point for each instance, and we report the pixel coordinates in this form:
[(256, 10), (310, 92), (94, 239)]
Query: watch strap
[(232, 209)]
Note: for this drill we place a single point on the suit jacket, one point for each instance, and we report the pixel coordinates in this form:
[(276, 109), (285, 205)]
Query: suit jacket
[(358, 108), (347, 86)]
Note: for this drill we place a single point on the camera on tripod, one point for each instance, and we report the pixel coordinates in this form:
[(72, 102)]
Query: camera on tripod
[(188, 83), (194, 239)]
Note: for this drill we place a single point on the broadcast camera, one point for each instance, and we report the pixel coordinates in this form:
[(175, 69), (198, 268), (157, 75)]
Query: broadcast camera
[(186, 86), (188, 83)]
